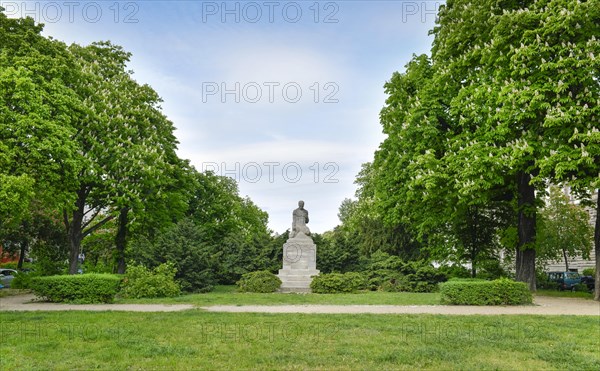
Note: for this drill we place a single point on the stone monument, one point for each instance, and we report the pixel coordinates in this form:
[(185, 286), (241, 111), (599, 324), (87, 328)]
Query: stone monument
[(299, 255)]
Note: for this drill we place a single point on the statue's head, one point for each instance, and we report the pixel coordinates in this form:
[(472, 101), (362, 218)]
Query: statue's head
[(301, 204)]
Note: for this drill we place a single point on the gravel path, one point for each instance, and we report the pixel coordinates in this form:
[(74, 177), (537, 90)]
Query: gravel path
[(543, 306), (25, 303)]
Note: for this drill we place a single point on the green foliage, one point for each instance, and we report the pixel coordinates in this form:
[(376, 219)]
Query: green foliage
[(589, 272), (233, 227), (500, 101), (14, 265), (389, 281), (16, 193), (581, 287), (84, 288), (222, 237), (479, 292), (38, 159), (491, 269), (564, 229), (23, 280), (332, 283), (184, 245), (337, 251), (141, 282), (259, 281), (389, 273), (455, 271), (544, 283)]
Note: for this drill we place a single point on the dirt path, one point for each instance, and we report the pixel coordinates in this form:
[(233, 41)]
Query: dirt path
[(543, 306), (25, 303)]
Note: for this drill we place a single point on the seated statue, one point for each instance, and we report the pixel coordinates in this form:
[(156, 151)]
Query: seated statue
[(299, 220)]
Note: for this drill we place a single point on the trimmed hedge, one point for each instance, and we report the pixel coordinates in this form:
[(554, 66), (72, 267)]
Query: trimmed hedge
[(80, 288), (259, 281), (502, 291), (333, 283)]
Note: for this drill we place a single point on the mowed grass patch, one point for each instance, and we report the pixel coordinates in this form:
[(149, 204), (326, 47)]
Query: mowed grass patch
[(228, 295), (201, 340), (564, 294)]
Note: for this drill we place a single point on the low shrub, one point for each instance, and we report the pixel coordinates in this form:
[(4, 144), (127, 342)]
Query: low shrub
[(491, 270), (455, 271), (396, 283), (333, 283), (22, 280), (589, 272), (582, 287), (141, 282), (80, 288), (502, 291), (426, 279), (259, 281), (420, 278), (386, 280)]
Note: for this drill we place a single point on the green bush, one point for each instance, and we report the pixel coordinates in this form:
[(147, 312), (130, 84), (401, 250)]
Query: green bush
[(582, 287), (333, 283), (259, 281), (455, 271), (409, 277), (589, 272), (502, 291), (426, 279), (491, 270), (396, 283), (22, 280), (80, 288), (385, 280), (141, 282), (185, 244)]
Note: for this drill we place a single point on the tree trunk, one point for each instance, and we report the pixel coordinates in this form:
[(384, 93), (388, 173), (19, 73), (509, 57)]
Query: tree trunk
[(23, 251), (121, 240), (474, 247), (74, 230), (566, 259), (597, 246), (525, 262)]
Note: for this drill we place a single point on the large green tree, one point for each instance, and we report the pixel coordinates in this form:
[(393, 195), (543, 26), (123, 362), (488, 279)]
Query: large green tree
[(234, 225), (511, 69), (126, 144), (415, 181), (38, 158), (567, 52)]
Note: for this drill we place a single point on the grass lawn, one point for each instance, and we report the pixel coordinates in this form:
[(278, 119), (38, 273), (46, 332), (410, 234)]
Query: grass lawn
[(200, 340), (227, 295), (565, 294)]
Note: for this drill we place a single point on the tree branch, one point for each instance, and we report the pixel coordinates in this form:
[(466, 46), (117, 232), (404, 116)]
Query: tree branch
[(90, 220), (97, 226)]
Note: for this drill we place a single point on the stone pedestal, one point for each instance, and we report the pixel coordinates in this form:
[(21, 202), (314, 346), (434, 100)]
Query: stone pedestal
[(299, 264)]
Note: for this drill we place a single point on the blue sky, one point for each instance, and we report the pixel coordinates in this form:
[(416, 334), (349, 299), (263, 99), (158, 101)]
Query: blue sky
[(283, 96)]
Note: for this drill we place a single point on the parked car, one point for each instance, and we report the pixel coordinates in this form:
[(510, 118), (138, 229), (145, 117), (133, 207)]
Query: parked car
[(6, 276), (565, 280)]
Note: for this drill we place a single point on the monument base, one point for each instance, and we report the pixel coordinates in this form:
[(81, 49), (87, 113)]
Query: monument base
[(299, 264)]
